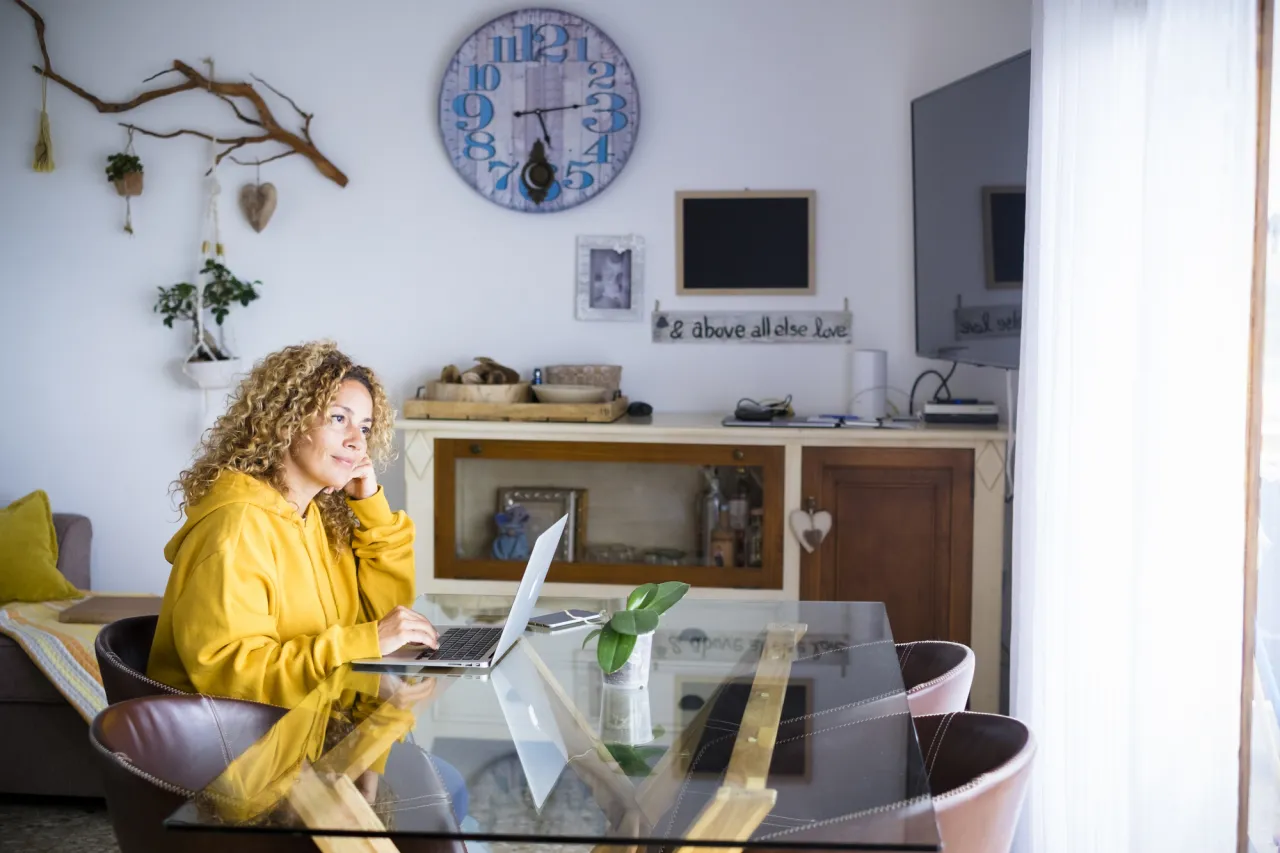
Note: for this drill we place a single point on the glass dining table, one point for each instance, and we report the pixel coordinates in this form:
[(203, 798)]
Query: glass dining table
[(762, 725)]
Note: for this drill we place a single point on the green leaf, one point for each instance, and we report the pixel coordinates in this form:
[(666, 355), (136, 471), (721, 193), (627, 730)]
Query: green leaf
[(641, 595), (669, 592), (596, 633), (613, 649), (634, 621)]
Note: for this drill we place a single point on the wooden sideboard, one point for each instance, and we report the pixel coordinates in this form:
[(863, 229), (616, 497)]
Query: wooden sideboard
[(918, 515)]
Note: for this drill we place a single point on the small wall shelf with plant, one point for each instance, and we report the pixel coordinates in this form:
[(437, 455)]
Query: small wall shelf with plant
[(210, 363)]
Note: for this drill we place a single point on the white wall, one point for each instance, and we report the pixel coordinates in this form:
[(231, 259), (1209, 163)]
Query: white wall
[(407, 267)]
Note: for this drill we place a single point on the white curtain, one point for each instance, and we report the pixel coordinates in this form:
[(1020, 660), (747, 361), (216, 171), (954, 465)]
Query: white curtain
[(1129, 492)]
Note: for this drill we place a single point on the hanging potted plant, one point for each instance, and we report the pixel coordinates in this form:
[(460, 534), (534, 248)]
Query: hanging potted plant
[(125, 171), (210, 363), (626, 642)]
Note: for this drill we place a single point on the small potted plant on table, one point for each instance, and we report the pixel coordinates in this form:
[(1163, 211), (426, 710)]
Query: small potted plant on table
[(626, 642)]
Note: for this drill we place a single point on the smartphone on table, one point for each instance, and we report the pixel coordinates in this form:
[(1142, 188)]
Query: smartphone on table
[(562, 619)]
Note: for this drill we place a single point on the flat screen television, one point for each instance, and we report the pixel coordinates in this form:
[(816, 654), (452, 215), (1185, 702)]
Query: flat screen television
[(969, 168)]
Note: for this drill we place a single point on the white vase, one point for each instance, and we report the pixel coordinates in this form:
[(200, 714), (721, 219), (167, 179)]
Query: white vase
[(212, 374), (634, 673), (625, 716)]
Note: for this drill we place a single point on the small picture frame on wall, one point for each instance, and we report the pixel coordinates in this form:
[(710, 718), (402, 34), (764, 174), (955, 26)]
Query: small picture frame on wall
[(610, 278)]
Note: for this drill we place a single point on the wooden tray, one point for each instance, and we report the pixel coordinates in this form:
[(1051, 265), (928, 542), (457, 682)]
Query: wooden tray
[(601, 413)]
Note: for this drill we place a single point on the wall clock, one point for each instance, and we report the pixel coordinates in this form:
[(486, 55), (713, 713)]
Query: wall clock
[(539, 110)]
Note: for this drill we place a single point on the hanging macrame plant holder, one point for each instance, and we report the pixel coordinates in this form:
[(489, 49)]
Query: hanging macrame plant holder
[(128, 185), (209, 363)]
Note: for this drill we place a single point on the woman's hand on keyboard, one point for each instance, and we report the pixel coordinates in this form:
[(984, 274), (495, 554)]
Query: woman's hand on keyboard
[(402, 626)]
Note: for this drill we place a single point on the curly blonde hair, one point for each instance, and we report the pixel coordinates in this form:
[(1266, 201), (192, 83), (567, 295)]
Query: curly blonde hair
[(280, 400)]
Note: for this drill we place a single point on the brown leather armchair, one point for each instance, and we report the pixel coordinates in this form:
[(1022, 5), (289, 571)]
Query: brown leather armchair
[(122, 649), (156, 752)]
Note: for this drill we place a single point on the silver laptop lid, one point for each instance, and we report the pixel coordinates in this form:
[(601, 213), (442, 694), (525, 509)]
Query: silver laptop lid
[(522, 695), (544, 550)]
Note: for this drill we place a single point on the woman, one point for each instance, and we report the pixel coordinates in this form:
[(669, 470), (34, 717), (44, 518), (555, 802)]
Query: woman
[(290, 562)]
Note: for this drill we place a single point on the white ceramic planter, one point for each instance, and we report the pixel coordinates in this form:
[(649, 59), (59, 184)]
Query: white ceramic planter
[(212, 374), (625, 716), (634, 674)]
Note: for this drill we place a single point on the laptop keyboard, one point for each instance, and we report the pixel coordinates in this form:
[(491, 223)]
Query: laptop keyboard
[(463, 644)]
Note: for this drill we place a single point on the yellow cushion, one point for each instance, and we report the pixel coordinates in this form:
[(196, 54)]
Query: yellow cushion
[(29, 553)]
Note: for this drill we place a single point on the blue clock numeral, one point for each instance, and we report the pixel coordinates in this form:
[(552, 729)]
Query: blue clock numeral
[(504, 49), (481, 140), (582, 48), (483, 110), (562, 38), (600, 148), (506, 176), (617, 121), (587, 178), (484, 77), (607, 75)]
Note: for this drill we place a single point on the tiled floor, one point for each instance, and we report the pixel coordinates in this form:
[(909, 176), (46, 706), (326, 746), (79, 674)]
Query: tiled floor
[(39, 825)]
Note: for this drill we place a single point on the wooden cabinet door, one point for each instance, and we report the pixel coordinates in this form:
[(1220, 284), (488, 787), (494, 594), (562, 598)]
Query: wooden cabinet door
[(901, 533)]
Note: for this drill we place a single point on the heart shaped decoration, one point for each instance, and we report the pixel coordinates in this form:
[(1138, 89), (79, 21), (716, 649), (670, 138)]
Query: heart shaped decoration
[(258, 202), (810, 528)]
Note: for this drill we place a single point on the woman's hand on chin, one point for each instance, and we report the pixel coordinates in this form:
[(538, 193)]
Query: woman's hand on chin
[(363, 483)]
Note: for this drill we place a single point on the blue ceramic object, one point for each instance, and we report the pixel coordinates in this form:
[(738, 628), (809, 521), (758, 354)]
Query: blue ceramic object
[(511, 543)]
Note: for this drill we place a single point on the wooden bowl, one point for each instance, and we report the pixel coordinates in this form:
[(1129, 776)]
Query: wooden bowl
[(569, 393)]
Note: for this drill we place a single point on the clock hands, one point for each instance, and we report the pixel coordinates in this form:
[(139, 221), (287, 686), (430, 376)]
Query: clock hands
[(538, 111), (541, 110)]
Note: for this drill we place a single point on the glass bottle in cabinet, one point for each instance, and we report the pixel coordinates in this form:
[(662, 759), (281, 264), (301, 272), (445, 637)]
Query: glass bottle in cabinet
[(754, 557)]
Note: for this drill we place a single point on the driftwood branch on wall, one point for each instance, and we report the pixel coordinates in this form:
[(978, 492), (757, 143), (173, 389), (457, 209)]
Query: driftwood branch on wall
[(271, 130)]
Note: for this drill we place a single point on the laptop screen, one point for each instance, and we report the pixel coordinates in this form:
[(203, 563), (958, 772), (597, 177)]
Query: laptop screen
[(544, 550)]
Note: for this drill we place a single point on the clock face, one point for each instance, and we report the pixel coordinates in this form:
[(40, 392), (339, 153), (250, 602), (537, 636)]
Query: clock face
[(539, 110)]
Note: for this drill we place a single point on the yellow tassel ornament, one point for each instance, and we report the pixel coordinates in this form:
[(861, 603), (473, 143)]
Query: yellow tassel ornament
[(43, 160)]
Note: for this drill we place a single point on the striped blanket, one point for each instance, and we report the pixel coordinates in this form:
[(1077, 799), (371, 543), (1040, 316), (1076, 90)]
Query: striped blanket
[(62, 651)]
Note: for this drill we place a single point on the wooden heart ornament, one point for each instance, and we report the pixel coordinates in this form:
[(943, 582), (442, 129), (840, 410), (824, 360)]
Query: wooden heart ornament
[(258, 202), (810, 527)]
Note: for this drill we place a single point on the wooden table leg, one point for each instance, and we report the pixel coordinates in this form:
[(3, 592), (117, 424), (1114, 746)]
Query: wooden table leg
[(332, 801)]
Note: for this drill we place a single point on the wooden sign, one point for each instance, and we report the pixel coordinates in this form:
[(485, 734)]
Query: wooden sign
[(988, 321), (752, 327)]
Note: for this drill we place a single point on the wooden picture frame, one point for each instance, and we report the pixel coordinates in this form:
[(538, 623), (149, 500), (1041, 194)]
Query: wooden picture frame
[(692, 250), (995, 277)]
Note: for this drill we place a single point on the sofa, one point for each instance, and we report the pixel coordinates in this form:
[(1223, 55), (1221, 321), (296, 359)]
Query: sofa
[(43, 740)]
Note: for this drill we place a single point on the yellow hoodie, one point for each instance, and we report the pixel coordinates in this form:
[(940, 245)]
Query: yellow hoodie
[(259, 607)]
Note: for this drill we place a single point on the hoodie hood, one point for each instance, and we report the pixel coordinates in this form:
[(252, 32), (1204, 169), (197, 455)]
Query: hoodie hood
[(232, 488)]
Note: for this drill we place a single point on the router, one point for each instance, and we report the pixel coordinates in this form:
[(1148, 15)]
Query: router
[(961, 412)]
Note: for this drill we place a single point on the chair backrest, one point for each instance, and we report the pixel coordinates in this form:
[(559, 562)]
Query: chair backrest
[(937, 675), (156, 752), (978, 766), (122, 649)]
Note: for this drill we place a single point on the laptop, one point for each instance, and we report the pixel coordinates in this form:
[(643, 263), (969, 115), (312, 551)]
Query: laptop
[(482, 646)]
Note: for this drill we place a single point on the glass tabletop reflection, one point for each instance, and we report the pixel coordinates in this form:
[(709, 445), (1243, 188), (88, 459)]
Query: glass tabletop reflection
[(763, 724)]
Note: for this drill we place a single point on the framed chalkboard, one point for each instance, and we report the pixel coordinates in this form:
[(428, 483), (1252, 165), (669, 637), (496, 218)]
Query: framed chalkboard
[(745, 242), (1004, 218)]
